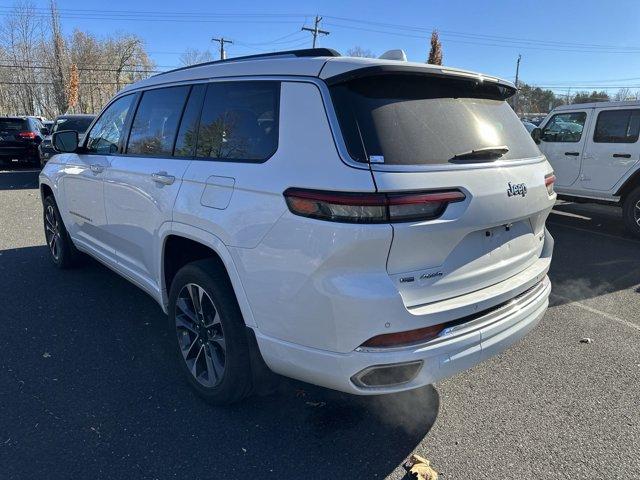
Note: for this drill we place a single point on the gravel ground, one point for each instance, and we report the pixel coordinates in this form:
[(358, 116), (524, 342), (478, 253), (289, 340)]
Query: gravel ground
[(89, 387)]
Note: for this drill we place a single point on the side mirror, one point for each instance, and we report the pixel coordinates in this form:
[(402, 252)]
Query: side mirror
[(65, 141), (536, 133)]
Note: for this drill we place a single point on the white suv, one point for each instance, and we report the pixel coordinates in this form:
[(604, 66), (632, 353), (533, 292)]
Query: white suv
[(366, 225), (595, 153)]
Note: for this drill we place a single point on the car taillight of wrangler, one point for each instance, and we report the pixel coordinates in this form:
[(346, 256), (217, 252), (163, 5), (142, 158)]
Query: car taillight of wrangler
[(349, 207), (549, 181)]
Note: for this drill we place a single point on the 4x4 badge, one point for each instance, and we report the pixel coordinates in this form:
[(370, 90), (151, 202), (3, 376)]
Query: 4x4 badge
[(516, 189)]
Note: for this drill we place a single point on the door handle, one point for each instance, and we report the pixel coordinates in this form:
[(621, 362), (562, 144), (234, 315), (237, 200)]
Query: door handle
[(572, 154), (621, 155), (96, 168), (163, 178)]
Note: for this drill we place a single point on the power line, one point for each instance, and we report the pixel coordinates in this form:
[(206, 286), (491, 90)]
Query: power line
[(315, 31), (427, 30), (81, 69), (154, 15), (478, 43)]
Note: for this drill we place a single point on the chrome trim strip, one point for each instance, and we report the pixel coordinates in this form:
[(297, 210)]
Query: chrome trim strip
[(511, 307)]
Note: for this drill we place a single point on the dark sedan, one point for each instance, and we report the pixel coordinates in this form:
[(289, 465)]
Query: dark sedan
[(79, 123), (19, 139)]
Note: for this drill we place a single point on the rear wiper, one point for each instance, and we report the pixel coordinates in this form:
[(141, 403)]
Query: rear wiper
[(487, 153)]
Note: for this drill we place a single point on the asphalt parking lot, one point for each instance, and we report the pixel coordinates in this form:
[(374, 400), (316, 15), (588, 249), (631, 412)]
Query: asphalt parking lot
[(89, 387)]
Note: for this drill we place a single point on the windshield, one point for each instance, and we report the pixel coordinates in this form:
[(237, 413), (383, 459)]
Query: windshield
[(417, 119), (79, 124)]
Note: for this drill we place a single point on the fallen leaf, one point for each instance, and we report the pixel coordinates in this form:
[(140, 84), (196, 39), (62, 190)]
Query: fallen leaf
[(420, 468), (46, 355)]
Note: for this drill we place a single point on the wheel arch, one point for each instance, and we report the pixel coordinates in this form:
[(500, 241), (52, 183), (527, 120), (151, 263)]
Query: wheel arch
[(199, 244), (632, 181), (45, 191)]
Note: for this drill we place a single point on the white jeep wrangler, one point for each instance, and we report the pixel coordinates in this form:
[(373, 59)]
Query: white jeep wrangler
[(595, 154)]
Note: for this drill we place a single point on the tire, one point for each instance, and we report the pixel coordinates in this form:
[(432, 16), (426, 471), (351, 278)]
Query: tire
[(62, 251), (631, 212), (211, 341)]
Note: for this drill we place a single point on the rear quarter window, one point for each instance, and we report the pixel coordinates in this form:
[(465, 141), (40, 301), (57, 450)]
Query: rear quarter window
[(239, 121)]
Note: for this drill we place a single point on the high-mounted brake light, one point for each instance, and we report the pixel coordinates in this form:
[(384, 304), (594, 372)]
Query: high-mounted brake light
[(28, 135), (350, 207), (549, 181)]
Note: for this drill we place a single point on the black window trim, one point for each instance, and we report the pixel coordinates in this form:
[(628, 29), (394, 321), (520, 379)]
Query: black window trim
[(276, 116), (586, 116), (195, 147), (603, 110)]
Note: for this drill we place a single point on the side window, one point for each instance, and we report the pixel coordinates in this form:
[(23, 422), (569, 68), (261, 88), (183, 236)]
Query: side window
[(564, 127), (617, 126), (156, 121), (105, 135), (186, 141), (239, 121)]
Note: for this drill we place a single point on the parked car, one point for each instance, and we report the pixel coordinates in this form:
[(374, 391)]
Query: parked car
[(328, 217), (76, 122), (48, 124), (19, 139), (595, 153), (529, 126)]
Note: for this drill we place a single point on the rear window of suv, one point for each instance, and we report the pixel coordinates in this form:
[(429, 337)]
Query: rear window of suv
[(13, 125), (402, 119)]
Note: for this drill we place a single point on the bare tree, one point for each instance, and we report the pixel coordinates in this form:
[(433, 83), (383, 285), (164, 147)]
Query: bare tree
[(21, 38), (623, 94), (58, 62), (44, 72), (193, 56), (435, 53), (358, 51)]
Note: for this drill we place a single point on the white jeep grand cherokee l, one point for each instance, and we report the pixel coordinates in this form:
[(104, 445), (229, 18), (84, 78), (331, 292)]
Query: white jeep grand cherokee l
[(366, 225)]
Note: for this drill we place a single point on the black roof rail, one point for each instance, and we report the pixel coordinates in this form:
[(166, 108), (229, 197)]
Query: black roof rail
[(307, 52)]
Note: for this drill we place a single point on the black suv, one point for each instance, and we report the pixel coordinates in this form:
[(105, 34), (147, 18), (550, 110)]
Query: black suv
[(78, 123), (19, 139)]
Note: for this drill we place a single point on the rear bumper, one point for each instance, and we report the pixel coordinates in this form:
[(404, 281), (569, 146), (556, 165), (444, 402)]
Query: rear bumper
[(20, 153), (453, 352)]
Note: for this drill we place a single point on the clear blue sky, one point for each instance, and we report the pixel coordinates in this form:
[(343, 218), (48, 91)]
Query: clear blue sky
[(575, 43)]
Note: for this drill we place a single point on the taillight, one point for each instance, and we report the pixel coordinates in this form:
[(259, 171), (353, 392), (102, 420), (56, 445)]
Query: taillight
[(549, 181), (27, 135), (370, 207)]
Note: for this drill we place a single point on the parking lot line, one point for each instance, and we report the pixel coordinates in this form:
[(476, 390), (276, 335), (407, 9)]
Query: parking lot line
[(606, 315), (586, 230)]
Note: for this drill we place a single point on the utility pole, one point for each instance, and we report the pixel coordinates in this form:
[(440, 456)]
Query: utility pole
[(315, 31), (222, 41), (516, 83)]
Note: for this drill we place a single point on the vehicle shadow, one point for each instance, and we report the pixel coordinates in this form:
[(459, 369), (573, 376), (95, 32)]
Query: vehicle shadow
[(89, 385), (593, 255), (18, 178)]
